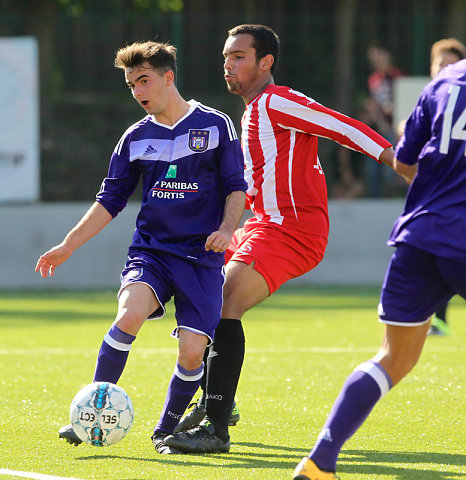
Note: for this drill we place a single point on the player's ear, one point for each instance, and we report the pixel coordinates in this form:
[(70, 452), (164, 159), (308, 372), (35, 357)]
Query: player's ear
[(169, 77), (267, 62)]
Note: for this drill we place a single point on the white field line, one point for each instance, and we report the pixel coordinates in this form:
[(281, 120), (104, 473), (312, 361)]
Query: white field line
[(252, 350), (33, 475)]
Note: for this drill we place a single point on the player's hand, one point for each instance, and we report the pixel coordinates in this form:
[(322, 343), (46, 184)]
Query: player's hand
[(50, 260), (218, 241)]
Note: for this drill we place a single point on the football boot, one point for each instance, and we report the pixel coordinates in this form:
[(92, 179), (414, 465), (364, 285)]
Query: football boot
[(197, 414), (69, 435), (200, 439), (161, 447), (308, 470)]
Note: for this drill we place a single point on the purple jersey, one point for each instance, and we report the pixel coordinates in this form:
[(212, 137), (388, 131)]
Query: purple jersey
[(434, 218), (187, 171)]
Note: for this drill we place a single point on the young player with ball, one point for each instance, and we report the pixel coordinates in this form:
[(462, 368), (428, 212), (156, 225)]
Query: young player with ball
[(191, 165)]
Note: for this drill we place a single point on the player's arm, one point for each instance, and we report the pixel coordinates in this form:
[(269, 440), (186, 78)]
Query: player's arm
[(93, 221), (415, 133), (219, 240), (388, 157), (234, 186), (296, 111), (408, 172)]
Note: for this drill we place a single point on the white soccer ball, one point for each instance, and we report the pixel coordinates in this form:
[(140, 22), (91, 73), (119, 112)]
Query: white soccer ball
[(101, 414)]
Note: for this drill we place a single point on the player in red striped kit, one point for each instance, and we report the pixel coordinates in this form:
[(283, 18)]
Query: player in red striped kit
[(287, 194)]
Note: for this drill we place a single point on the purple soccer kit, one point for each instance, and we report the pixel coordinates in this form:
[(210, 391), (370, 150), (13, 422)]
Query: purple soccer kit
[(187, 172), (428, 267), (429, 264)]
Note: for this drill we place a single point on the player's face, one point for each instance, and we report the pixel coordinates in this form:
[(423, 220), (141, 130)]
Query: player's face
[(242, 70), (441, 61), (149, 87)]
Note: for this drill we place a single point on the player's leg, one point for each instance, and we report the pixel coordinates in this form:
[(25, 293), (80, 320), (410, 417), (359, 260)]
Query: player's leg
[(411, 292), (198, 303), (245, 287), (364, 387), (197, 409), (441, 313), (264, 261), (226, 355), (400, 350), (135, 304), (183, 385), (439, 323), (197, 414), (454, 274)]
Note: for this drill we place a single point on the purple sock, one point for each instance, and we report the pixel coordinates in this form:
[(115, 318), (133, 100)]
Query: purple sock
[(113, 355), (182, 387), (368, 383)]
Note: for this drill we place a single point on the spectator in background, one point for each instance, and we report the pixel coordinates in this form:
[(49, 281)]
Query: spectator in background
[(445, 52), (378, 114)]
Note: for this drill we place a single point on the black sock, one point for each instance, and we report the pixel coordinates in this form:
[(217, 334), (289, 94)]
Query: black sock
[(223, 371), (441, 313), (204, 378)]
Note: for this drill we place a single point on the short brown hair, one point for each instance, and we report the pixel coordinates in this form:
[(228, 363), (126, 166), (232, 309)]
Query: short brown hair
[(161, 56), (450, 45)]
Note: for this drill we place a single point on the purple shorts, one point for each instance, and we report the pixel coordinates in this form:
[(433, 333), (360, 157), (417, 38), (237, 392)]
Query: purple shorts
[(197, 291), (417, 284)]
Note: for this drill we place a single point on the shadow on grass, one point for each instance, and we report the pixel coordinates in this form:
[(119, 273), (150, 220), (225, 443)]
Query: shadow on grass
[(371, 462), (396, 465)]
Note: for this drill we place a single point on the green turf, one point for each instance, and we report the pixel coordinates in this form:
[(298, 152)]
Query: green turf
[(301, 345)]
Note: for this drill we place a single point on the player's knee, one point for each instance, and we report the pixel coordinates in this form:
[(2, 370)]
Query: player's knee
[(190, 358), (129, 321), (191, 353)]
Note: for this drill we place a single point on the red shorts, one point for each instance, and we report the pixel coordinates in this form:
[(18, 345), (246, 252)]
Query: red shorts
[(279, 253)]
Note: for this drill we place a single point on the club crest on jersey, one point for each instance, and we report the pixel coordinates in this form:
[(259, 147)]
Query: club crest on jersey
[(198, 140)]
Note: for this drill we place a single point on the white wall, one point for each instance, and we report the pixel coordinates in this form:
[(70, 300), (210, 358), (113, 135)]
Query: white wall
[(406, 91), (356, 253)]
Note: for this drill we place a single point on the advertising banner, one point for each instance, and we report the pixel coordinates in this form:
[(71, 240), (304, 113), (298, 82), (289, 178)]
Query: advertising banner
[(19, 120)]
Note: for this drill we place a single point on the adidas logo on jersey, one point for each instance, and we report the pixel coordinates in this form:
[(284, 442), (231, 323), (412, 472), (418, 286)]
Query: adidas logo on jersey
[(149, 150)]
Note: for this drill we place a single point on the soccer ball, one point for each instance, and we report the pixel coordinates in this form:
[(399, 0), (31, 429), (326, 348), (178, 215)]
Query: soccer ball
[(101, 414)]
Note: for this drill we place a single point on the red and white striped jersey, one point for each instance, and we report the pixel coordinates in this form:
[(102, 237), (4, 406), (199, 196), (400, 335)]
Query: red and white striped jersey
[(286, 183)]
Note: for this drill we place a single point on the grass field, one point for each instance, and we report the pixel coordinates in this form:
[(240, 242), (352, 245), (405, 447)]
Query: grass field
[(301, 345)]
